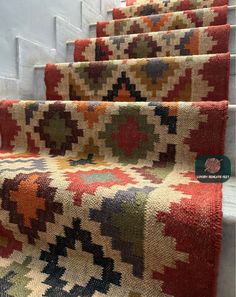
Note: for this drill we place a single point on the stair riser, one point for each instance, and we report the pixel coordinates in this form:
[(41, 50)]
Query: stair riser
[(230, 141), (226, 277), (7, 84)]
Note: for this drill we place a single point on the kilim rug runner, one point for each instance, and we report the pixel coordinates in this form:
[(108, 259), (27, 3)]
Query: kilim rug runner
[(182, 78), (178, 5), (162, 22), (98, 195), (157, 7), (194, 41), (110, 207)]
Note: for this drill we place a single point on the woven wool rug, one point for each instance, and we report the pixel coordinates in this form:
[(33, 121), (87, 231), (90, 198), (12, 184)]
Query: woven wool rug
[(167, 21), (177, 4), (98, 195), (117, 211), (194, 41), (158, 7), (182, 78)]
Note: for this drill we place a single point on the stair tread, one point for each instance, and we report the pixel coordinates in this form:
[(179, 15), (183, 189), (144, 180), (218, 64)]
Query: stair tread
[(161, 22), (162, 7), (120, 163), (190, 41), (109, 212), (141, 79)]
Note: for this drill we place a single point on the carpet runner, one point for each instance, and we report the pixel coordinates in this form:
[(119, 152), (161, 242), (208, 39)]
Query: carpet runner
[(179, 4), (111, 213), (98, 195), (158, 7), (195, 41), (182, 78), (162, 22)]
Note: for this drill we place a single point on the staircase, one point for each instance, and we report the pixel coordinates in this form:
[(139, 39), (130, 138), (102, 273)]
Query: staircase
[(35, 61), (226, 286)]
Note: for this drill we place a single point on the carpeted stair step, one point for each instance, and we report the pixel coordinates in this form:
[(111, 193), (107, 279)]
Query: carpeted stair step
[(120, 176), (162, 6), (194, 41), (191, 2), (161, 22), (186, 78), (101, 198)]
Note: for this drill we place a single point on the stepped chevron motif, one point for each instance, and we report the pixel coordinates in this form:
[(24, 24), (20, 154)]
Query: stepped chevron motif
[(161, 22), (139, 7), (97, 205), (184, 4), (154, 79), (98, 195), (195, 41)]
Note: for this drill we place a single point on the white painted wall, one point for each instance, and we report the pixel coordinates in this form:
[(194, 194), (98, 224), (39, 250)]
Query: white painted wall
[(33, 20), (44, 26)]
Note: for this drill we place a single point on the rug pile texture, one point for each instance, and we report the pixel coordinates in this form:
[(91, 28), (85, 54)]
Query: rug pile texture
[(98, 194), (201, 17)]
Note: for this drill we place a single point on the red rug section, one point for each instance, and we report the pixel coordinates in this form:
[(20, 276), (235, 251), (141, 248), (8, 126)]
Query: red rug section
[(220, 19), (154, 7), (179, 221), (186, 3), (52, 78), (197, 278)]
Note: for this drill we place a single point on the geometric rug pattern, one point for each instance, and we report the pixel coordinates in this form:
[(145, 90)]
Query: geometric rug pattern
[(181, 78), (194, 41), (98, 194), (181, 2), (105, 224), (142, 7), (202, 17)]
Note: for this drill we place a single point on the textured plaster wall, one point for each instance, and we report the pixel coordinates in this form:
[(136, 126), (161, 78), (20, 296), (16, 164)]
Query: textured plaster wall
[(34, 20)]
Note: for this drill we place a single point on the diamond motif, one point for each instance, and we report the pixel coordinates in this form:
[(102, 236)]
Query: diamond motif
[(96, 74), (30, 202), (88, 181), (129, 135), (51, 126), (142, 46)]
